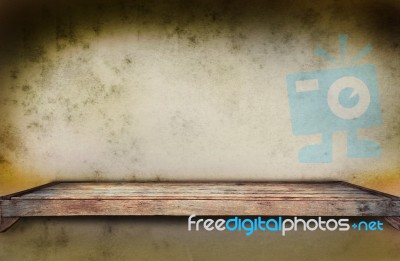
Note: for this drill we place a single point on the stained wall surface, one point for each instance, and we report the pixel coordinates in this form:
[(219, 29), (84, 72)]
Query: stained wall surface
[(181, 90)]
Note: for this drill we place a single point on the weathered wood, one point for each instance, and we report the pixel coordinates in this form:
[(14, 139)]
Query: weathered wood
[(6, 222), (394, 222), (187, 198), (218, 191), (123, 207)]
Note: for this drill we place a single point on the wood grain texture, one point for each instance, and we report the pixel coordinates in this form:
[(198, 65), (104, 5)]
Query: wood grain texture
[(186, 198), (394, 222), (217, 191), (6, 222)]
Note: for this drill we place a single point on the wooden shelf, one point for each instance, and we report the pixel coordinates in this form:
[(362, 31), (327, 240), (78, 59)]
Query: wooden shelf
[(205, 198)]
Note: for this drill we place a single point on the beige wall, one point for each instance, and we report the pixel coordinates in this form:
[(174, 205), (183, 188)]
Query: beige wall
[(175, 90), (141, 239), (181, 90)]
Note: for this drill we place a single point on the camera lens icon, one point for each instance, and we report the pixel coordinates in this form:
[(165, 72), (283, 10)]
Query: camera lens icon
[(339, 94), (338, 99)]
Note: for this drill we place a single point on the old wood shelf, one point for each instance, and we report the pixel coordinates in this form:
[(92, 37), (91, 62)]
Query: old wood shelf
[(205, 198)]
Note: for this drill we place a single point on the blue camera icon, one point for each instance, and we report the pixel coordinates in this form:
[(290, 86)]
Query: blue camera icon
[(340, 99)]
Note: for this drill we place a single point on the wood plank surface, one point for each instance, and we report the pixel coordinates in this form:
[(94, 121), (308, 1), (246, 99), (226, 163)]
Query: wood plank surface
[(186, 198), (221, 191), (118, 207)]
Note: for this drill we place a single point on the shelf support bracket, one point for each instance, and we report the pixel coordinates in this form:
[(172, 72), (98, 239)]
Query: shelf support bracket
[(6, 222), (394, 222)]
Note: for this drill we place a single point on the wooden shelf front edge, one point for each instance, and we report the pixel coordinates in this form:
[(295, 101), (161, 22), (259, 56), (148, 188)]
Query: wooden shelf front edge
[(14, 206)]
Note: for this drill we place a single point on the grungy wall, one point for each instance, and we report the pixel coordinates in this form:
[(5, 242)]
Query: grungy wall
[(182, 90)]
